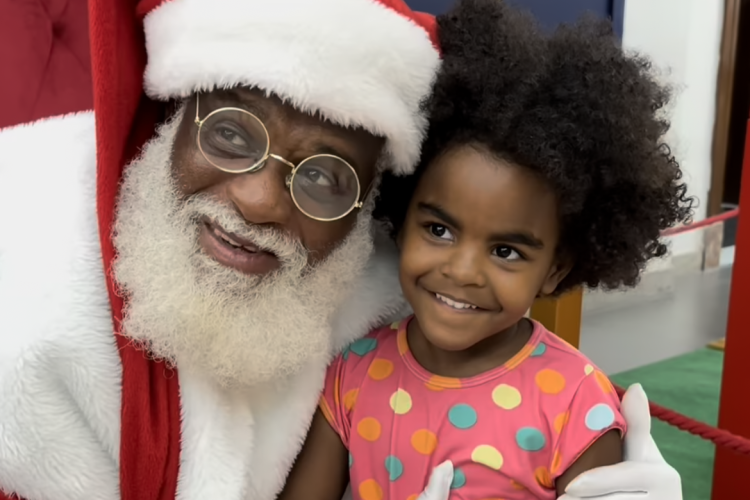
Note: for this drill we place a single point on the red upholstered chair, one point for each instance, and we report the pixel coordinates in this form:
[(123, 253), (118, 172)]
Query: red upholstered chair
[(45, 64)]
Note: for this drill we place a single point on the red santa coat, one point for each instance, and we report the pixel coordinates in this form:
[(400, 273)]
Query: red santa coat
[(82, 413)]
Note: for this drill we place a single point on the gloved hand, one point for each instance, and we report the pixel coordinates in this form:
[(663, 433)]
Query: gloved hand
[(644, 475), (439, 485)]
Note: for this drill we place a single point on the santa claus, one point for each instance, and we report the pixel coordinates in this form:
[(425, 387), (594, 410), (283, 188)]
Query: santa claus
[(165, 326)]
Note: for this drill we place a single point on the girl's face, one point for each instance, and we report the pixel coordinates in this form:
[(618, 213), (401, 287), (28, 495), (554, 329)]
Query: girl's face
[(477, 247)]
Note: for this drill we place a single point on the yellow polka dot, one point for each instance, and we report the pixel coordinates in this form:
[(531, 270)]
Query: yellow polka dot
[(487, 455), (506, 397), (561, 420), (588, 370), (424, 441), (380, 369), (369, 429), (556, 462), (550, 381), (350, 399), (370, 490), (395, 325), (438, 383), (543, 478), (401, 402), (604, 382)]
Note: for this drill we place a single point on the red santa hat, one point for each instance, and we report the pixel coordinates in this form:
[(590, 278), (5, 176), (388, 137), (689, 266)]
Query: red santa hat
[(366, 63)]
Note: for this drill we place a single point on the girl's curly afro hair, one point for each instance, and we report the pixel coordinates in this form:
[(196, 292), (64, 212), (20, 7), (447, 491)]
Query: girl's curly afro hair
[(576, 109)]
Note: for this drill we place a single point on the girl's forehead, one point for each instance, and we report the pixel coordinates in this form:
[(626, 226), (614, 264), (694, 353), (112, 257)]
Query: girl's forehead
[(473, 184)]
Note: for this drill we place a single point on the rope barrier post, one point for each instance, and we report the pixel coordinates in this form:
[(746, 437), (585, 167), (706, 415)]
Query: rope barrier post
[(730, 468), (561, 315)]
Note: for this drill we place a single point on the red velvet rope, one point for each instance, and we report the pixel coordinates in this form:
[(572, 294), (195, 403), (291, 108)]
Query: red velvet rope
[(719, 437), (705, 222)]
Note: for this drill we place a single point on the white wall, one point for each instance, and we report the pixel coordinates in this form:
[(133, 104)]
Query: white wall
[(683, 38)]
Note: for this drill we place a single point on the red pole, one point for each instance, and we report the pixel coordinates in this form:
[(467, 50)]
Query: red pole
[(730, 469)]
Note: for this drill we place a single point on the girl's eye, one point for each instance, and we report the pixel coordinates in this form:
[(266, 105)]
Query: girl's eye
[(440, 231), (507, 253)]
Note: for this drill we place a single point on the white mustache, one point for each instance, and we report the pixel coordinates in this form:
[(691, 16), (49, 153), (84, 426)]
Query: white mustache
[(286, 247)]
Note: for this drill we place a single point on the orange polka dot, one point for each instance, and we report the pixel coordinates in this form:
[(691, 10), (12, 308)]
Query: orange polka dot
[(369, 429), (424, 441), (604, 382), (516, 485), (350, 399), (336, 389), (370, 490), (556, 462), (402, 343), (380, 369), (550, 381), (413, 497), (542, 477), (561, 420), (438, 383)]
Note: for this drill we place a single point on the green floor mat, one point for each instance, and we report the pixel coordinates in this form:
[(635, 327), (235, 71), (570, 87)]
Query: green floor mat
[(689, 384)]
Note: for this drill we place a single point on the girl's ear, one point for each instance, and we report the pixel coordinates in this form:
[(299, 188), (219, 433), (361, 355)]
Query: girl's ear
[(557, 272)]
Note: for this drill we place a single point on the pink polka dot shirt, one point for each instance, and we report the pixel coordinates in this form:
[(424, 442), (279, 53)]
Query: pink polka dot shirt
[(510, 432)]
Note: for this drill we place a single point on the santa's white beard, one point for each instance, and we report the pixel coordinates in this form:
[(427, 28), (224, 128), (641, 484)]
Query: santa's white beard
[(190, 310)]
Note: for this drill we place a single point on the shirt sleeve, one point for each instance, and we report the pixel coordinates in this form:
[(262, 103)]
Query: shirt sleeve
[(593, 411), (337, 400)]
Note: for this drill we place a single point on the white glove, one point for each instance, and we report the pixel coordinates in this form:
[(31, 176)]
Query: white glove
[(643, 475), (439, 485)]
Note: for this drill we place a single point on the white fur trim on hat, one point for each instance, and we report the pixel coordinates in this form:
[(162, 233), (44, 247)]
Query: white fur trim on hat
[(356, 62)]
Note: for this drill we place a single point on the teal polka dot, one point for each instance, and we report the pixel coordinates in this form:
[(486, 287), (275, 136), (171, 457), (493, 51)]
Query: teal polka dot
[(351, 460), (345, 354), (363, 346), (394, 467), (540, 349), (530, 439), (459, 479), (600, 417), (462, 416)]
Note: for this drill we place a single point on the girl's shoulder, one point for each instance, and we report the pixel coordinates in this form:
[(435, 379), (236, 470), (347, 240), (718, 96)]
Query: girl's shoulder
[(552, 353)]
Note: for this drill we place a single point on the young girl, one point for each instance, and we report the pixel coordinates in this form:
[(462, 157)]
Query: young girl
[(543, 171)]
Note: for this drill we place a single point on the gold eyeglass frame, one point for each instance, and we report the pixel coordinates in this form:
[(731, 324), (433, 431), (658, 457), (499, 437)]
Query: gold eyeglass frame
[(358, 203)]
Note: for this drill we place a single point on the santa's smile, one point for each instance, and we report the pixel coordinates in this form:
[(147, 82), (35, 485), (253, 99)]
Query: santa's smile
[(235, 252)]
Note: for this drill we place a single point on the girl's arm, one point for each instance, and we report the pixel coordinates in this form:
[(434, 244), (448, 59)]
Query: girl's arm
[(321, 471), (607, 450)]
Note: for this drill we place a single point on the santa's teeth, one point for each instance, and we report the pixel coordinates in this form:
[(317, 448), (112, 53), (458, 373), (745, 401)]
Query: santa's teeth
[(229, 241), (454, 304)]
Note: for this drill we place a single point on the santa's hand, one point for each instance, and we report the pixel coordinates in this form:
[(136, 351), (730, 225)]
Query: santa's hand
[(439, 485), (644, 475)]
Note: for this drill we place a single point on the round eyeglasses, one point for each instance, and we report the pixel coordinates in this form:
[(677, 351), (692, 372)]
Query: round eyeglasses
[(323, 187)]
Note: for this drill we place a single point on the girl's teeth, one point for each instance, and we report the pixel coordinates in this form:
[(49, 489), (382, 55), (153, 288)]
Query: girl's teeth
[(454, 304)]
